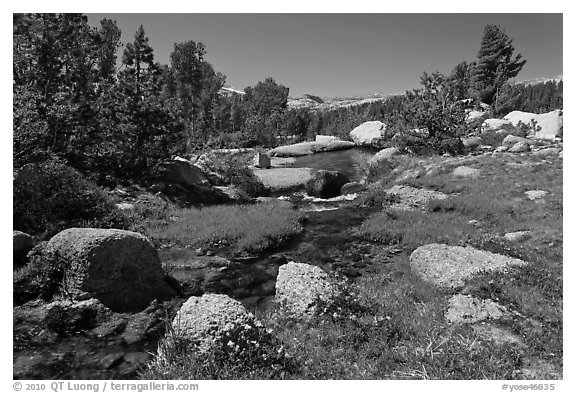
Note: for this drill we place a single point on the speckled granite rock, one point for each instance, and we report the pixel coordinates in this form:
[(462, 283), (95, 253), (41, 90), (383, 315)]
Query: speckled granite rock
[(300, 287), (449, 266)]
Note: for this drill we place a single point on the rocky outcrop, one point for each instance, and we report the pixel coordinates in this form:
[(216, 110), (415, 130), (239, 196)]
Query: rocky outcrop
[(501, 149), (449, 266), (411, 198), (326, 138), (84, 339), (550, 124), (234, 193), (119, 268), (511, 140), (517, 236), (370, 133), (281, 179), (326, 184), (466, 171), (260, 160), (242, 157), (535, 194), (474, 115), (214, 321), (546, 152), (497, 335), (496, 125), (182, 172), (519, 147), (384, 154), (468, 309), (307, 148), (352, 188), (300, 288), (21, 244), (65, 317), (472, 143)]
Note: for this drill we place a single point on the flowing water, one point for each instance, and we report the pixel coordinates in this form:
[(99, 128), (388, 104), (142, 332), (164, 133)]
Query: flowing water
[(326, 241)]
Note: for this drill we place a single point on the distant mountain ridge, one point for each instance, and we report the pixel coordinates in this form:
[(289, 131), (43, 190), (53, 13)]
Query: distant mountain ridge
[(328, 103), (311, 101), (532, 82)]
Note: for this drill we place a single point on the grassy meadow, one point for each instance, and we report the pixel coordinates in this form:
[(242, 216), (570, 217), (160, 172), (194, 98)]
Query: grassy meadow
[(390, 324)]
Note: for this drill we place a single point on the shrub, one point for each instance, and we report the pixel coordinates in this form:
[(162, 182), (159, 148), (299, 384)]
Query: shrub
[(235, 171), (52, 196), (380, 170), (376, 196), (40, 278), (431, 119)]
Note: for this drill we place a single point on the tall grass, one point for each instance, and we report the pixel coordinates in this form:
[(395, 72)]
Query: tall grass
[(250, 228), (412, 229)]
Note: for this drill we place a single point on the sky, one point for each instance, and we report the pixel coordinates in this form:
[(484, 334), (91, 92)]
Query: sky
[(339, 55)]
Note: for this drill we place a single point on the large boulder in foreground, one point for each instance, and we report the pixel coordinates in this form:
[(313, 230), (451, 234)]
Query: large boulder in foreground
[(326, 184), (551, 123), (21, 244), (212, 321), (119, 268), (370, 133), (449, 266), (300, 288)]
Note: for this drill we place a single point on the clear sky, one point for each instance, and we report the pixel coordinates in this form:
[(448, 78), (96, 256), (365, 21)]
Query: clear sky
[(345, 54)]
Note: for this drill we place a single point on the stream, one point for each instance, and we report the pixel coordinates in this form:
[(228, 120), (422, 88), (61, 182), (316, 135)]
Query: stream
[(116, 346), (326, 241)]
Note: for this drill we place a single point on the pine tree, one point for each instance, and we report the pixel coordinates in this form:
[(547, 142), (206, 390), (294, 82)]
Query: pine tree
[(138, 58), (496, 64), (109, 42), (461, 79)]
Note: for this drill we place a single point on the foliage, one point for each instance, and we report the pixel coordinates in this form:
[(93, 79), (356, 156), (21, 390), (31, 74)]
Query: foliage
[(431, 119), (51, 196), (461, 79), (41, 277), (235, 171), (70, 101), (244, 352), (536, 98), (265, 106)]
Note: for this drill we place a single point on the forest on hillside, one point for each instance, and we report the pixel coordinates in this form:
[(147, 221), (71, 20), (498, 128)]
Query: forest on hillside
[(72, 102)]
